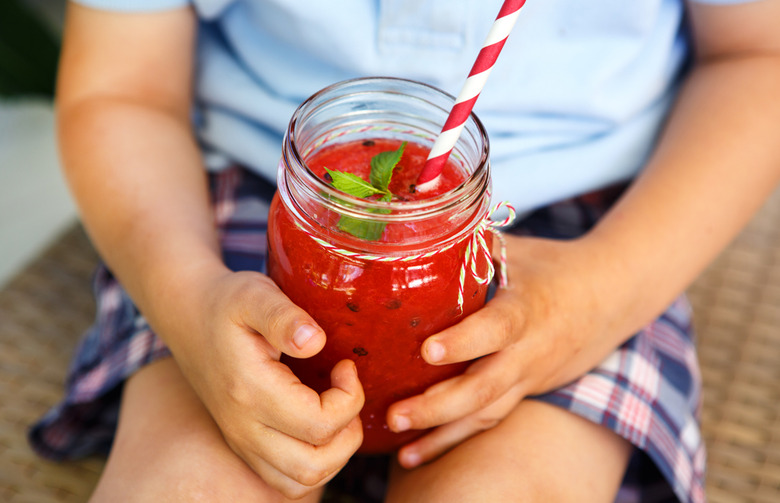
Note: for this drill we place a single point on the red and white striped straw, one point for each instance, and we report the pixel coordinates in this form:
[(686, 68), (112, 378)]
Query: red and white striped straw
[(464, 103)]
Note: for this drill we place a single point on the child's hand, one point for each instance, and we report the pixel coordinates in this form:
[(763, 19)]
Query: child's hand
[(546, 329), (295, 439)]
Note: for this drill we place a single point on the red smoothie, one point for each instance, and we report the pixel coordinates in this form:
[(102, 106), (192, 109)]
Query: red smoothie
[(376, 313)]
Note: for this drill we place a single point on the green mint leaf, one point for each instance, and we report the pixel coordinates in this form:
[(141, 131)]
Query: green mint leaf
[(351, 184), (366, 229), (362, 229), (382, 166)]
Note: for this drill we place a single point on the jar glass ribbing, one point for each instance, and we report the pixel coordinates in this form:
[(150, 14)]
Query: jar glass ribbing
[(377, 300)]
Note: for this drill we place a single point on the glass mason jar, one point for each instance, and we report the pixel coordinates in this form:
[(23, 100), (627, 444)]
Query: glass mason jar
[(377, 301)]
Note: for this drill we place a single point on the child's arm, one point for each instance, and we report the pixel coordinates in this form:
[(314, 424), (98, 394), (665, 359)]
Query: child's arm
[(572, 303), (124, 98)]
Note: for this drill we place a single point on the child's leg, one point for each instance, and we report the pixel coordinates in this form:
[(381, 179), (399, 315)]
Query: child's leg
[(167, 448), (538, 453)]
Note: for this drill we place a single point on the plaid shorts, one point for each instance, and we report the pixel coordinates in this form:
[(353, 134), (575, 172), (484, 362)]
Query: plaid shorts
[(647, 391)]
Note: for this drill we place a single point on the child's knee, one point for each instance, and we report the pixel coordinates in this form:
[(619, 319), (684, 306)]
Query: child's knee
[(538, 453), (182, 475), (185, 466), (466, 489)]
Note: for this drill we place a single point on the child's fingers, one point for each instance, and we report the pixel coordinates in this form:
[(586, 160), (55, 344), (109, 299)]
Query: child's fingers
[(285, 404), (490, 331), (265, 309), (285, 485), (445, 437), (292, 437), (482, 384), (296, 468), (487, 331)]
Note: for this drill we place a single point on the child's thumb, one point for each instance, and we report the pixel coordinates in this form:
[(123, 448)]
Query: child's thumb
[(284, 325)]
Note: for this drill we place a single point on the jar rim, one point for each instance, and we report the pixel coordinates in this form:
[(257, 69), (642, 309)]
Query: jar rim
[(476, 183)]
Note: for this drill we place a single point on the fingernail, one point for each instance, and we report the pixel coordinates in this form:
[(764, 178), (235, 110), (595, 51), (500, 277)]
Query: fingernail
[(410, 459), (303, 334), (435, 351), (401, 423)]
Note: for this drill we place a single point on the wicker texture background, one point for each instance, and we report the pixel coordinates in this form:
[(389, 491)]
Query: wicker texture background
[(43, 311), (737, 302), (737, 306)]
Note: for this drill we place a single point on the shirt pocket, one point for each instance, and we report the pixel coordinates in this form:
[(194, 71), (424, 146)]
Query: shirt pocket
[(211, 9), (430, 26)]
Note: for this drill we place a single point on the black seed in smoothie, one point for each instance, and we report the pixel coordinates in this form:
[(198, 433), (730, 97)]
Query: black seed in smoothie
[(414, 322), (349, 324), (353, 307), (328, 178), (474, 294), (393, 304), (360, 351), (369, 143), (412, 188)]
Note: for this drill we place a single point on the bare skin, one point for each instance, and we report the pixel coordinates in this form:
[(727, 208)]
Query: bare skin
[(168, 448), (537, 453), (134, 167)]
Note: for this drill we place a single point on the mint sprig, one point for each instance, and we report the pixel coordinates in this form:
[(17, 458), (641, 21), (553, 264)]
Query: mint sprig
[(352, 184), (382, 166)]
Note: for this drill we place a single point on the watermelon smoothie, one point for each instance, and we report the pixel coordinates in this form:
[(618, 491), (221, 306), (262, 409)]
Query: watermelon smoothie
[(377, 300)]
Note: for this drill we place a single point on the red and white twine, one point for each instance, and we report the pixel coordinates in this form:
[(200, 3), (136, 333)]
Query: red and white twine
[(476, 246)]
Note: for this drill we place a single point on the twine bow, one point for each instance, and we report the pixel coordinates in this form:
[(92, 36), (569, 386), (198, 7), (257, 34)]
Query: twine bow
[(477, 245)]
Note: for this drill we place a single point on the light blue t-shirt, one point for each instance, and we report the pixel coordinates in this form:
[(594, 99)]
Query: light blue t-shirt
[(573, 104)]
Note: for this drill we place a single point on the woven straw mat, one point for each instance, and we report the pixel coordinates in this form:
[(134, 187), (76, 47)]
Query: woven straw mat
[(737, 303)]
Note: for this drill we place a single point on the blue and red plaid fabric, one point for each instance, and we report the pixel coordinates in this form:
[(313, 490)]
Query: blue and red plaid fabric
[(647, 391)]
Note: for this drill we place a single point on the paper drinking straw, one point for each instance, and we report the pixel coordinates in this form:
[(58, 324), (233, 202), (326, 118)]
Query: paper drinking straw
[(468, 94)]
